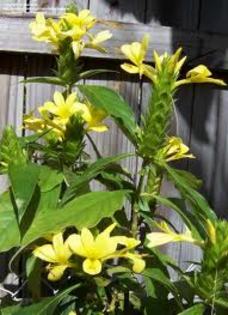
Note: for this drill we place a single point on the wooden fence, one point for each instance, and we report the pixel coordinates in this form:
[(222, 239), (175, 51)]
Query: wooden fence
[(199, 26)]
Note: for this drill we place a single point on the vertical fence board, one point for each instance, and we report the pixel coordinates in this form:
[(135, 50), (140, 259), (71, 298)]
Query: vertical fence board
[(38, 93), (219, 178), (11, 109), (177, 13), (213, 16)]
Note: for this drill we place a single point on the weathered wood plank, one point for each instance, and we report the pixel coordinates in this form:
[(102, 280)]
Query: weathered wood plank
[(203, 134), (15, 37), (219, 178), (209, 143), (55, 7), (176, 13), (213, 16), (11, 108), (11, 101), (13, 6), (38, 93), (122, 10)]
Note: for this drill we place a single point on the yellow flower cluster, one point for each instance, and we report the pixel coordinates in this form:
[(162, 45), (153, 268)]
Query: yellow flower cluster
[(56, 115), (136, 52), (175, 149), (167, 236), (70, 26), (93, 250)]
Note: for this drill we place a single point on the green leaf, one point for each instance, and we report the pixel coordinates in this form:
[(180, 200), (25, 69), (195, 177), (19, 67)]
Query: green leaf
[(24, 179), (9, 230), (91, 172), (49, 178), (46, 307), (197, 309), (114, 105), (159, 276), (10, 310), (200, 206), (34, 269), (11, 151), (49, 199), (84, 211), (91, 73), (47, 80)]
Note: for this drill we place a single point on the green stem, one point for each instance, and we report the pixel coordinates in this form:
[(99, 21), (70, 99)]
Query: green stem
[(69, 89), (94, 146), (154, 182), (135, 215), (214, 293)]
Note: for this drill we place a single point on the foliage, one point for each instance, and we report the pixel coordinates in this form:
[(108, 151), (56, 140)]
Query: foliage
[(85, 251)]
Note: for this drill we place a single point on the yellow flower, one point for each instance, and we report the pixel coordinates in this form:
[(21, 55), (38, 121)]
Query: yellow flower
[(99, 38), (46, 30), (136, 53), (63, 108), (103, 247), (33, 123), (84, 20), (171, 62), (74, 27), (211, 231), (57, 254), (56, 115), (39, 28), (175, 149), (167, 236), (94, 117), (199, 74)]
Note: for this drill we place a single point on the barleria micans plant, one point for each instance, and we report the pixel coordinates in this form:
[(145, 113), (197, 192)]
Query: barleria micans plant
[(80, 243)]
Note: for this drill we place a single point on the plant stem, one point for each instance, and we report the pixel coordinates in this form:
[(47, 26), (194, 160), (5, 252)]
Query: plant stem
[(134, 221), (154, 184), (214, 293), (94, 146)]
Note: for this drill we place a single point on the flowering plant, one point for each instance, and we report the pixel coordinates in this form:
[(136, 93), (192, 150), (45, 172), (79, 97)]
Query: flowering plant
[(84, 251)]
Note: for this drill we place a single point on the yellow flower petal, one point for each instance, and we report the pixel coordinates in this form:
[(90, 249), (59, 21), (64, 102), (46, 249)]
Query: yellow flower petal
[(46, 253), (75, 244), (101, 37), (159, 238), (101, 128), (56, 272), (139, 265), (62, 251), (87, 240), (128, 242), (71, 99), (92, 267), (199, 74), (58, 98), (211, 231), (130, 68), (77, 47), (200, 70)]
